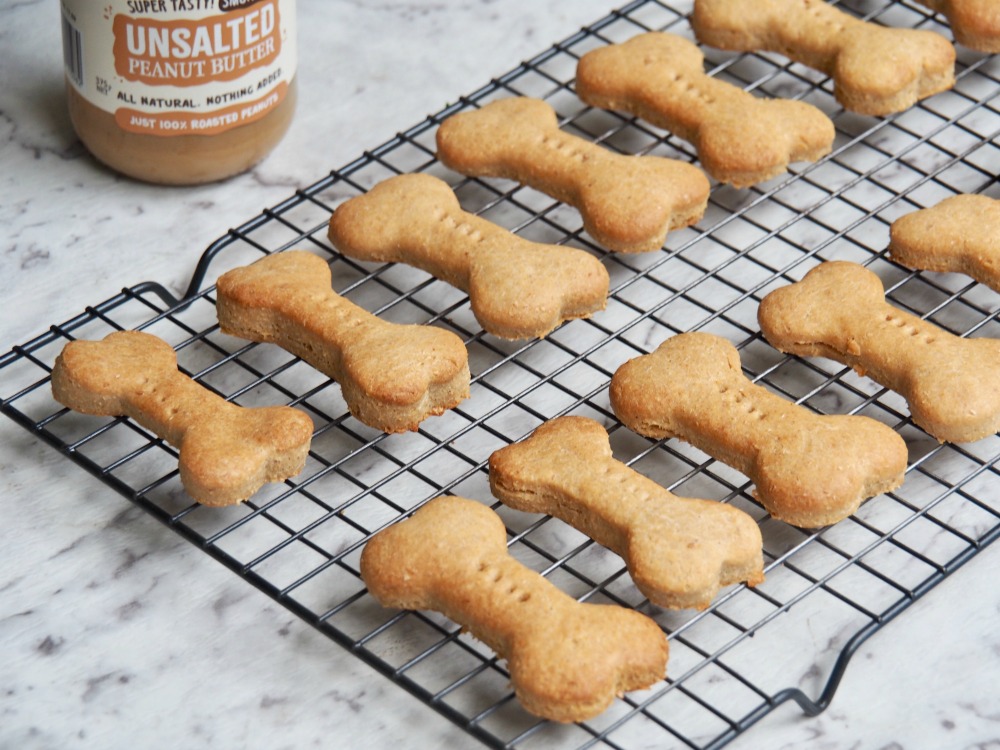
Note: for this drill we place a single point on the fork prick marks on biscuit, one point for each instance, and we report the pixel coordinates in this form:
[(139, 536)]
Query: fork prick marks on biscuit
[(741, 139), (226, 452), (679, 551), (517, 289), (960, 234), (627, 203), (838, 310), (567, 660), (809, 470), (392, 376), (876, 70)]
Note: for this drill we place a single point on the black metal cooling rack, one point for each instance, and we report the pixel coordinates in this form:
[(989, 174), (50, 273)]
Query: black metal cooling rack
[(826, 591)]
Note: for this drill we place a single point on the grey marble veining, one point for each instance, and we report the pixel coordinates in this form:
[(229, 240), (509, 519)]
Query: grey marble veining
[(114, 632)]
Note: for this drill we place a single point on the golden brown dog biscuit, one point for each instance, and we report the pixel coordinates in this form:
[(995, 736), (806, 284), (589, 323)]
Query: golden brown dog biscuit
[(838, 311), (392, 376), (959, 235), (876, 70), (741, 139), (975, 23), (517, 289), (628, 203), (567, 660), (226, 452), (679, 551), (809, 469)]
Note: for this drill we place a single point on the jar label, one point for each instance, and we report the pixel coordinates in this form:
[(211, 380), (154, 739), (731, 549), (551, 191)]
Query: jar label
[(180, 67)]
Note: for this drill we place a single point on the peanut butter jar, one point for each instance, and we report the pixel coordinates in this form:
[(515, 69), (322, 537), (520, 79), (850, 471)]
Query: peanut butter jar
[(180, 92)]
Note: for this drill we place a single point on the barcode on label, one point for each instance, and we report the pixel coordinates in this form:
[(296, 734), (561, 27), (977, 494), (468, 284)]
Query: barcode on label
[(72, 52)]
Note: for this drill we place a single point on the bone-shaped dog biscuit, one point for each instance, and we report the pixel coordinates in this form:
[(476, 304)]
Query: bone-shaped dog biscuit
[(679, 551), (226, 452), (392, 376), (960, 234), (517, 289), (741, 139), (627, 203), (809, 470), (876, 70), (975, 23), (839, 311), (567, 660)]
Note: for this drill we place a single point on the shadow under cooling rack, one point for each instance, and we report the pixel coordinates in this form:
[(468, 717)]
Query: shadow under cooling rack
[(753, 649)]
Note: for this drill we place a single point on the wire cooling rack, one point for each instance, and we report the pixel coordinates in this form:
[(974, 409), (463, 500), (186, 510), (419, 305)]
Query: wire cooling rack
[(826, 590)]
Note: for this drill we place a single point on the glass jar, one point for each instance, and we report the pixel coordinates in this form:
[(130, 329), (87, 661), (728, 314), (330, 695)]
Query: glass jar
[(180, 92)]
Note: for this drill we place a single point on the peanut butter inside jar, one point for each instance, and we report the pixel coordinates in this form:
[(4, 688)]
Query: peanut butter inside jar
[(179, 159), (180, 92)]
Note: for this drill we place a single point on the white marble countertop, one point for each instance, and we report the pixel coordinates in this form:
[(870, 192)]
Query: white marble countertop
[(117, 633)]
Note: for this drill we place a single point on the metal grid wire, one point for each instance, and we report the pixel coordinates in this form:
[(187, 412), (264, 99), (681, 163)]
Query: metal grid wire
[(730, 665)]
